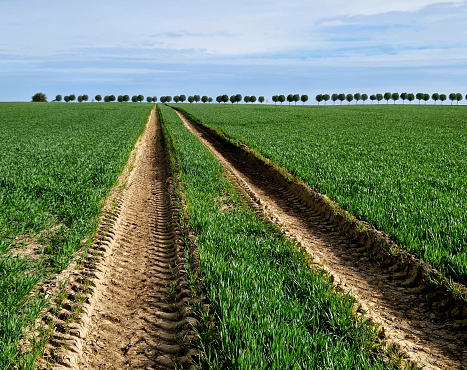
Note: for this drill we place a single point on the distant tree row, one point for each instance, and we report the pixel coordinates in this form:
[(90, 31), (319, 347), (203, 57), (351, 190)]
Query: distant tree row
[(106, 98), (388, 96), (290, 98), (182, 99), (453, 97)]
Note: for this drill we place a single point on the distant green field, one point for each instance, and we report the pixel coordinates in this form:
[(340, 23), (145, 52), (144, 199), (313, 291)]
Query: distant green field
[(401, 168), (57, 163)]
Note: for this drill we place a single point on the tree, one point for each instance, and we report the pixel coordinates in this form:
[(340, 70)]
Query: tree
[(246, 99), (72, 97), (219, 99), (319, 98), (296, 98), (191, 99), (141, 98), (238, 98), (134, 98), (196, 98), (304, 98), (281, 98), (404, 97), (387, 97), (149, 99), (349, 97), (426, 97), (106, 98), (58, 98), (120, 98), (458, 97), (410, 97), (442, 97), (98, 98), (372, 98), (290, 98), (182, 98), (80, 98), (261, 99), (452, 97), (419, 97), (85, 97), (357, 97), (334, 98), (395, 97), (112, 98), (435, 97), (154, 98), (379, 97), (39, 97), (275, 98), (326, 97), (126, 98), (233, 98), (204, 99), (176, 98), (225, 98), (252, 99), (66, 98), (341, 97), (364, 98)]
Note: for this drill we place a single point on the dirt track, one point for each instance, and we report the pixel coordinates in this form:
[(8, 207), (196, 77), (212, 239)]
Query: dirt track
[(134, 315), (429, 335)]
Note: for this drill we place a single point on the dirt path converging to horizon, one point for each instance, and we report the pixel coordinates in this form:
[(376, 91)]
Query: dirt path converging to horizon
[(135, 316), (389, 295), (133, 325)]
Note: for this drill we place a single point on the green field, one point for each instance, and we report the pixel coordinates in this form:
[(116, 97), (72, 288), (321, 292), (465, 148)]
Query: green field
[(272, 311), (57, 163), (401, 168)]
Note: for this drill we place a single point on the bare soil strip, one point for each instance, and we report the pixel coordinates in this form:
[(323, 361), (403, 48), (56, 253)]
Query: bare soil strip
[(132, 282), (427, 326)]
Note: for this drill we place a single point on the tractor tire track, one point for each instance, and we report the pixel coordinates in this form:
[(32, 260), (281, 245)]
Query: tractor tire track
[(133, 284), (427, 324)]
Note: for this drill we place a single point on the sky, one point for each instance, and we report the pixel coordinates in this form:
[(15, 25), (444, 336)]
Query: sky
[(261, 47)]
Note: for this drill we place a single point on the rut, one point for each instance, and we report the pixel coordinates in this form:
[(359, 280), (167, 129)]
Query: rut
[(134, 316), (391, 295)]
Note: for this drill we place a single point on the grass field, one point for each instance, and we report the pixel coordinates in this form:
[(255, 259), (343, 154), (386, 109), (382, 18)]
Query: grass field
[(401, 168), (57, 163), (272, 311)]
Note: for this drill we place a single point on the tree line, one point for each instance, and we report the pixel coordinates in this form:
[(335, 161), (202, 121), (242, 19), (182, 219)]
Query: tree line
[(290, 98), (453, 97)]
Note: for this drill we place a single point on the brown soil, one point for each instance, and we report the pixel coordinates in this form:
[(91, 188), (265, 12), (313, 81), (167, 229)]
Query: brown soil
[(124, 305), (424, 321)]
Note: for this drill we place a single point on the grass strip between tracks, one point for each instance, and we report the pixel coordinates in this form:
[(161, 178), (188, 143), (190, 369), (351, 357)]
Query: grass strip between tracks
[(57, 163), (272, 310)]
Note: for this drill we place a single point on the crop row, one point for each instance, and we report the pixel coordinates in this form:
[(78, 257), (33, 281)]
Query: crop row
[(400, 169), (57, 164), (272, 310)]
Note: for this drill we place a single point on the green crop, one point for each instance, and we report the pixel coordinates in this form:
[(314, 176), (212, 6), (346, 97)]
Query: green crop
[(401, 168), (57, 164), (272, 310)]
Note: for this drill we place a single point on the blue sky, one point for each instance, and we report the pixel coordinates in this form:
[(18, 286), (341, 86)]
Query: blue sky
[(213, 48)]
